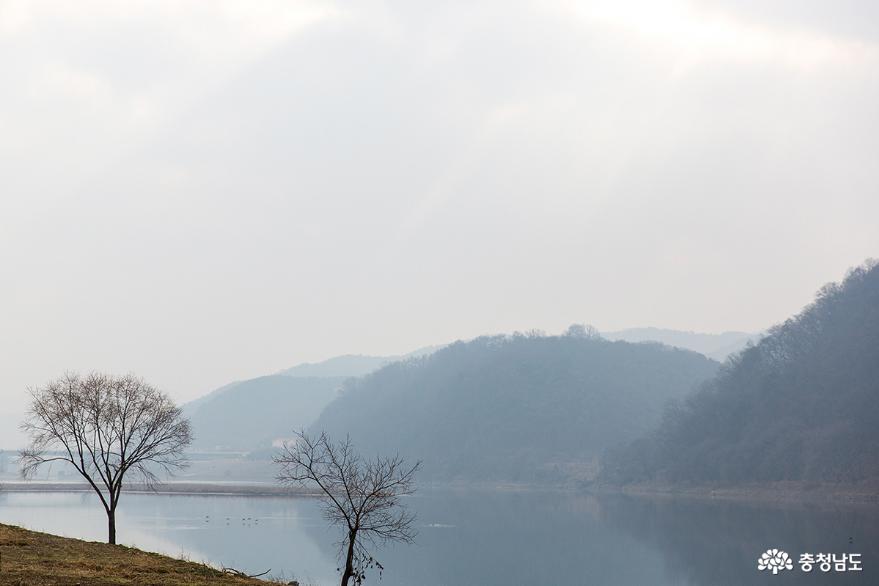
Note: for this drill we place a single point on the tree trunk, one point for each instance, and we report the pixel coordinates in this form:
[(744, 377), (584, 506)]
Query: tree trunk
[(349, 559), (111, 525)]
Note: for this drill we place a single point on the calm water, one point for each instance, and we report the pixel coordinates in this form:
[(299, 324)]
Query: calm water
[(484, 538)]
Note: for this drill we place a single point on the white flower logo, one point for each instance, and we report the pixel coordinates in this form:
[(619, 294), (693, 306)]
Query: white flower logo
[(775, 560)]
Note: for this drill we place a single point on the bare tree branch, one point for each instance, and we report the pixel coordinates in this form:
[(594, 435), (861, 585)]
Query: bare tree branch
[(362, 496), (105, 427)]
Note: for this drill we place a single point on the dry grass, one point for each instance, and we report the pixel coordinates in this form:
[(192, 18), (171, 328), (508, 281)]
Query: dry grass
[(28, 558)]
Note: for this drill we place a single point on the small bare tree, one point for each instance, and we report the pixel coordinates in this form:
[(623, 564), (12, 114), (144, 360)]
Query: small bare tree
[(362, 496), (105, 427)]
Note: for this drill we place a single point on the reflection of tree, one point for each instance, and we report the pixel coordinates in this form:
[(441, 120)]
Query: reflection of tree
[(718, 543)]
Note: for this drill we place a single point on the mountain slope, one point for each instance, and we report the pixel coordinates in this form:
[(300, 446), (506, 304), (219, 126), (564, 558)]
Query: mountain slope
[(800, 405), (351, 364), (513, 408), (347, 365), (251, 413)]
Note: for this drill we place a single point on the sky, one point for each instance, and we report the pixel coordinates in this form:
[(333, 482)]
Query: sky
[(201, 192)]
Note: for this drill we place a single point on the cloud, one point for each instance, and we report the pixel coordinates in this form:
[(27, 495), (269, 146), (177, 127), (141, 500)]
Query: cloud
[(699, 35), (846, 20), (248, 185)]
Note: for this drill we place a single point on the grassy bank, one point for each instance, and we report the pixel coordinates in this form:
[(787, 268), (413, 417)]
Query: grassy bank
[(37, 559)]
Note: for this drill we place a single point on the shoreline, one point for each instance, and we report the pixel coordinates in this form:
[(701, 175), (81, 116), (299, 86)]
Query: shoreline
[(208, 488), (785, 492), (774, 493)]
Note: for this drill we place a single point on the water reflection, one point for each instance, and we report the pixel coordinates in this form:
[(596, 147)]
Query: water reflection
[(483, 538), (717, 542)]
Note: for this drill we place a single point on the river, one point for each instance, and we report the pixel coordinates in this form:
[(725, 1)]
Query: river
[(486, 538)]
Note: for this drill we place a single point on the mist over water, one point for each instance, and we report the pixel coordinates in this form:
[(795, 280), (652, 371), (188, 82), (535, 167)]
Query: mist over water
[(485, 538)]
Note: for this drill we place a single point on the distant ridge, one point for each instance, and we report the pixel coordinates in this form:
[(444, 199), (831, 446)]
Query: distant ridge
[(716, 346), (351, 364), (251, 414), (346, 365)]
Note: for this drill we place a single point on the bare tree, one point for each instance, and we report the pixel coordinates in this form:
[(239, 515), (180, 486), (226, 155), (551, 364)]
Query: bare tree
[(362, 496), (105, 427)]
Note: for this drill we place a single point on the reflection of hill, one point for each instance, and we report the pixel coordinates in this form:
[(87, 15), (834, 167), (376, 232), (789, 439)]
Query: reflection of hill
[(717, 543)]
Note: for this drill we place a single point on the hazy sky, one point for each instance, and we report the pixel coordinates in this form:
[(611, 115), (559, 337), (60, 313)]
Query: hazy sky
[(206, 191)]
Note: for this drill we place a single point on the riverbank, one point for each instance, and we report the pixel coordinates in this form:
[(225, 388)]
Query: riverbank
[(771, 492), (258, 489), (39, 559), (776, 492), (172, 488)]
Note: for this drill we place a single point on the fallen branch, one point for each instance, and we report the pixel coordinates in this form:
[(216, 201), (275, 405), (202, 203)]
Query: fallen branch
[(240, 574)]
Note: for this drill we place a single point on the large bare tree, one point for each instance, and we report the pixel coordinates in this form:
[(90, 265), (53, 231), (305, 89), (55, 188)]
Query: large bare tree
[(105, 427), (360, 495)]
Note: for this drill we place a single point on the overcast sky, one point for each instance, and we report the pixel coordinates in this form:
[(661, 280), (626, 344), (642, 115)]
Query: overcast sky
[(200, 192)]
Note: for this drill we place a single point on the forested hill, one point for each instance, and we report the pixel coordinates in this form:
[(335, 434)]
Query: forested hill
[(801, 405), (519, 408)]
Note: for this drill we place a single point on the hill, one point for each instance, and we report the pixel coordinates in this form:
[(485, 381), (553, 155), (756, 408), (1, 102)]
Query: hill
[(351, 364), (347, 365), (800, 405), (716, 346), (249, 414), (513, 408)]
